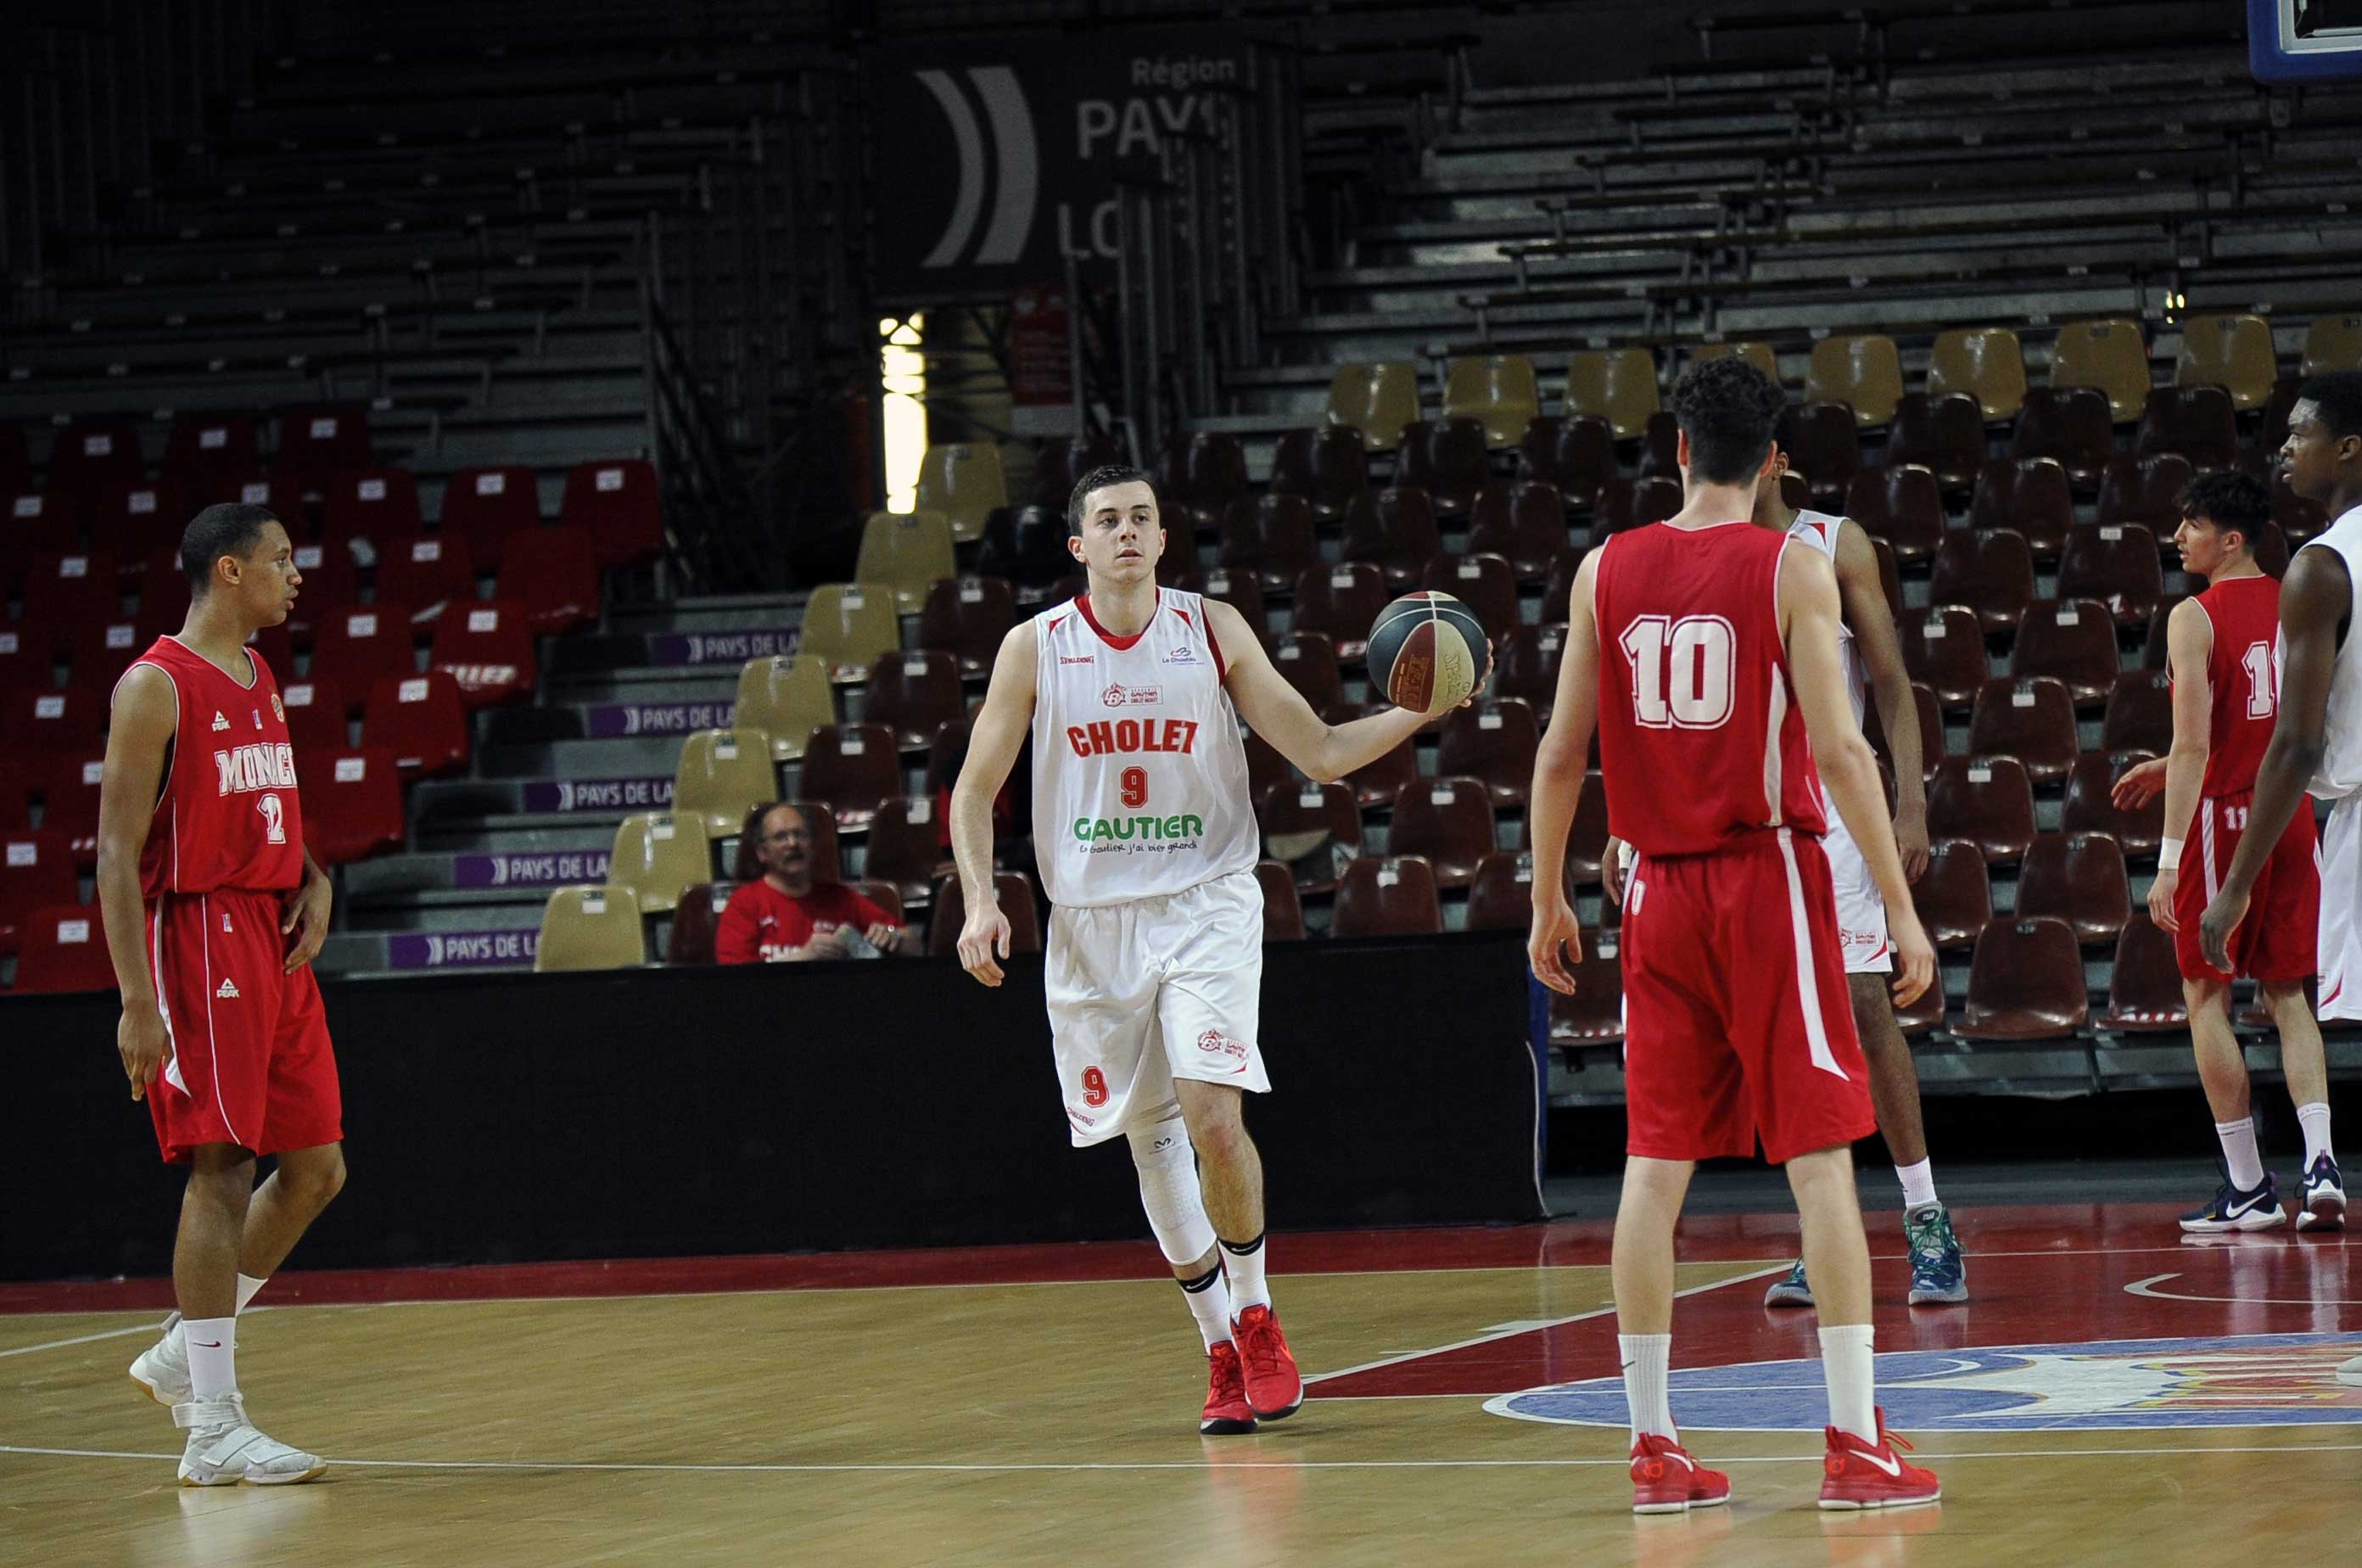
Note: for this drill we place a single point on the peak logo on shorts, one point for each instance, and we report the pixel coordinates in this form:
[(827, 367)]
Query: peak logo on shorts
[(228, 991), (1214, 1043), (1122, 696)]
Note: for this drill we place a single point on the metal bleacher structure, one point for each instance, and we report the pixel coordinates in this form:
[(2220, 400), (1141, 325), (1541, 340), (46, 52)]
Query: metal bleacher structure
[(1805, 189)]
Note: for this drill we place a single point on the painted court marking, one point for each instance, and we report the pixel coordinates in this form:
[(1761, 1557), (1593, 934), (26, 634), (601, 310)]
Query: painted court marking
[(2148, 1288), (147, 1328)]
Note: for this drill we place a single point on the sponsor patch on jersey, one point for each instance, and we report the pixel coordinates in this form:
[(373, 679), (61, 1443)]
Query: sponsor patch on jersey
[(220, 723), (1183, 654), (1071, 658), (1112, 829), (1215, 1042), (1122, 696), (277, 712)]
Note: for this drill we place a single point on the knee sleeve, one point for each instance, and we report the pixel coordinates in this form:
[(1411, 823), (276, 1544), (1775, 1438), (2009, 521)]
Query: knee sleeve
[(1168, 1191)]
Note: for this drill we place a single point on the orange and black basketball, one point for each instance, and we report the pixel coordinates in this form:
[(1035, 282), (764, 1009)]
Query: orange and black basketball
[(1427, 652)]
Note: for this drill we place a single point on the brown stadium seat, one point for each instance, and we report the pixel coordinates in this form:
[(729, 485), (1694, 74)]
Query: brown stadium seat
[(1380, 779), (1202, 468), (1394, 530), (1283, 912), (2078, 877), (1502, 897), (1447, 820), (1901, 505), (1653, 500), (1446, 458), (1660, 450), (906, 845), (2145, 986), (2195, 422), (1307, 661), (1493, 741), (695, 920), (1924, 1016), (1325, 465), (1557, 588), (1272, 537), (2140, 713), (1341, 602), (1525, 522), (1943, 433), (1575, 452), (967, 617), (913, 694), (1378, 401), (1954, 896), (2108, 356), (1266, 766), (1497, 391), (2232, 351), (1386, 895), (2073, 640), (2091, 802), (1314, 829), (1864, 371), (1985, 362), (1594, 1014), (1823, 445), (1524, 663), (1241, 589), (2153, 646), (852, 768), (2070, 425), (1486, 584), (2300, 519), (1617, 384), (1992, 573), (2033, 721), (1987, 800), (2144, 490), (2024, 983), (1586, 837), (1929, 721), (1945, 648), (1058, 465), (2115, 563), (1016, 896), (2029, 494), (1183, 523)]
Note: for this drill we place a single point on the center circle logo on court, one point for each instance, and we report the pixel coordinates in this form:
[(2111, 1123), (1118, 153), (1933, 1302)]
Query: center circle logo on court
[(2241, 1380)]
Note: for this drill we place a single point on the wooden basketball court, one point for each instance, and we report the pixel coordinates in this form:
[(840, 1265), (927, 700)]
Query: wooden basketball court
[(1039, 1404)]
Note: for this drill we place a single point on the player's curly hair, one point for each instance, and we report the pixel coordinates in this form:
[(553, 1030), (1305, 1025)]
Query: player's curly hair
[(2230, 501), (226, 528), (1100, 478), (2338, 396), (1730, 411)]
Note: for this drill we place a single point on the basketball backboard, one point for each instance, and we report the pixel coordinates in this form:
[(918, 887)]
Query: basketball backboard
[(2304, 41)]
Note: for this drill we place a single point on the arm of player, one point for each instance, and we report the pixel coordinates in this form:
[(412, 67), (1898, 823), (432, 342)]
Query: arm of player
[(305, 914), (2314, 597), (1808, 607), (1862, 597), (2189, 637), (1278, 712), (1558, 785), (146, 710), (998, 734)]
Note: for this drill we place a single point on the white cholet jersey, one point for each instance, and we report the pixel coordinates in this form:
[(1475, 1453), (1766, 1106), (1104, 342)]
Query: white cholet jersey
[(1819, 530), (2340, 773), (1140, 777)]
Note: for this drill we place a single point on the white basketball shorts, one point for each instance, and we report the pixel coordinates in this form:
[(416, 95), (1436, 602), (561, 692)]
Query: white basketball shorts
[(2340, 955), (1144, 992), (1861, 913)]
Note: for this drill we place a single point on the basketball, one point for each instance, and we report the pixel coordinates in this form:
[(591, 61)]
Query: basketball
[(1427, 653)]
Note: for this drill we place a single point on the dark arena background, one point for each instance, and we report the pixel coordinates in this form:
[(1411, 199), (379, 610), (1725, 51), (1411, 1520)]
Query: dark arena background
[(674, 405)]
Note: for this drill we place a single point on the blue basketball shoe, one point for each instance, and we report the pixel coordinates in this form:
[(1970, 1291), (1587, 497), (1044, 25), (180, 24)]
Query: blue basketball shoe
[(2324, 1197), (1791, 1289), (2257, 1208), (1938, 1274)]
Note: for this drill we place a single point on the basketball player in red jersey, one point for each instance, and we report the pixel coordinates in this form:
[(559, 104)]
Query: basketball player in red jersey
[(1706, 651), (2225, 700), (213, 913)]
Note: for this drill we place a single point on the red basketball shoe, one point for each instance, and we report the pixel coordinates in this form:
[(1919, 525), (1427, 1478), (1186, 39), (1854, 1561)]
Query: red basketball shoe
[(1855, 1475), (1227, 1411), (1274, 1386), (1666, 1480)]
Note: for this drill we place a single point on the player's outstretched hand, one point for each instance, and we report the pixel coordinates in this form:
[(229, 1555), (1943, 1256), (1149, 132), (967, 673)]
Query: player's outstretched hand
[(1557, 937), (2160, 901), (303, 920), (145, 1045), (2215, 926), (2139, 784), (983, 935), (1914, 970)]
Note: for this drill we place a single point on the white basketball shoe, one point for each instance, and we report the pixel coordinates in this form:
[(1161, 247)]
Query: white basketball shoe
[(226, 1450), (162, 1370)]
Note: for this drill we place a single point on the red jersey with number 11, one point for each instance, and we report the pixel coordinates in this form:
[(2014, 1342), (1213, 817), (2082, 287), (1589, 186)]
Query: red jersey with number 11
[(1700, 742), (227, 815), (2245, 616)]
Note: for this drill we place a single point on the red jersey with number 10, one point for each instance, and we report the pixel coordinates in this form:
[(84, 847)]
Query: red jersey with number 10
[(1700, 742), (2246, 614), (227, 815)]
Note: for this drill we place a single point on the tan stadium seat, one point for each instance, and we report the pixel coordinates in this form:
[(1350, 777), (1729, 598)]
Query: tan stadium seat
[(787, 697), (2110, 356), (655, 855), (1497, 391), (848, 624), (591, 928), (1617, 384), (723, 775), (2232, 351), (906, 551), (1865, 372), (2332, 343), (1376, 400), (1985, 362), (962, 479), (1759, 355)]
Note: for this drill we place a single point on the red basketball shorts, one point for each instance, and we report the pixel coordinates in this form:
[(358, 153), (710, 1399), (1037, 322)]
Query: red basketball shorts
[(251, 1063), (1738, 1024), (2279, 939)]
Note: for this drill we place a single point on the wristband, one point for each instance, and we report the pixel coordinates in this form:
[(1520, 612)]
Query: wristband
[(2169, 854)]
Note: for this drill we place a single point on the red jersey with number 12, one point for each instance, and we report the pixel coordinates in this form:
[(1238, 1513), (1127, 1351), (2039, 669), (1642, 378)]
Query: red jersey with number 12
[(2245, 616), (227, 815), (1700, 742)]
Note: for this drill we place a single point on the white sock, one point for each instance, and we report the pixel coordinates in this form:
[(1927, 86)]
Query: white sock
[(2239, 1152), (1919, 1184), (1244, 1261), (2314, 1120), (247, 1286), (1209, 1303), (1645, 1358), (1847, 1363), (213, 1356)]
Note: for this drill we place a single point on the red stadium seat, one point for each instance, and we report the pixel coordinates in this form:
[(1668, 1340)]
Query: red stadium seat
[(330, 582), (352, 801), (99, 652), (2196, 423), (1992, 574), (1943, 433), (2025, 982), (2091, 802), (2116, 564), (320, 439), (377, 504), (1493, 742), (2144, 994), (95, 451), (906, 845), (1342, 603), (1446, 458), (1314, 829), (1823, 442), (1901, 505), (1283, 912), (617, 504), (913, 694), (316, 723), (2073, 425), (1448, 821), (1379, 781), (1386, 896), (421, 720), (363, 645), (1016, 899), (2140, 713), (2033, 721), (426, 570), (16, 460), (2078, 877), (1486, 584), (1525, 522), (2029, 494), (488, 648), (485, 506), (66, 593), (55, 724), (1944, 650), (1325, 465), (852, 768), (1987, 800), (63, 948), (1307, 661), (1953, 897), (206, 447), (1575, 452), (46, 523), (967, 617), (1394, 530), (2072, 640), (2146, 491), (36, 869), (129, 518), (1594, 1015)]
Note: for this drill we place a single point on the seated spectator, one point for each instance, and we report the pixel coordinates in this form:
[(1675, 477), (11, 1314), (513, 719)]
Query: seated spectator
[(782, 916)]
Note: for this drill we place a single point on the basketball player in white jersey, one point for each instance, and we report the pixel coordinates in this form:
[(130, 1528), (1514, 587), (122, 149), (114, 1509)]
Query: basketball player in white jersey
[(2317, 741), (1872, 659), (1147, 844)]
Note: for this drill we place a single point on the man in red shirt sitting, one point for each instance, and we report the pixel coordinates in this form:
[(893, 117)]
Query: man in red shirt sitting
[(784, 917)]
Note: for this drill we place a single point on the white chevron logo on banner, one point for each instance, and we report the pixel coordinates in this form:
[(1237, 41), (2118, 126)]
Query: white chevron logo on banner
[(1017, 171)]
